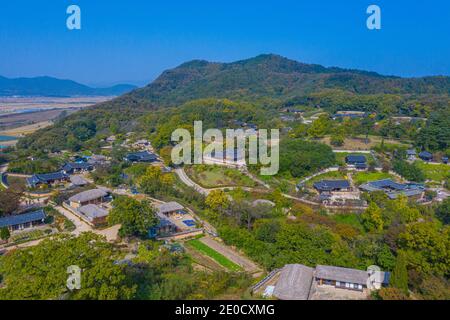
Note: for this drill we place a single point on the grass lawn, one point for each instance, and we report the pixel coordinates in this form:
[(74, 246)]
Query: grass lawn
[(216, 256), (435, 172), (351, 219), (209, 176), (26, 236), (365, 176), (333, 175)]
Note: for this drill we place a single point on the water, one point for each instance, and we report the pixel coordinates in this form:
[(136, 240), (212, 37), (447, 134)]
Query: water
[(6, 138)]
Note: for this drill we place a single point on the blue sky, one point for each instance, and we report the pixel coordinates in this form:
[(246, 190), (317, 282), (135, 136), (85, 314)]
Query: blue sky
[(135, 40)]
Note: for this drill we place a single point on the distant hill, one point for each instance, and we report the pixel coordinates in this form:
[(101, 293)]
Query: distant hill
[(48, 86), (275, 77)]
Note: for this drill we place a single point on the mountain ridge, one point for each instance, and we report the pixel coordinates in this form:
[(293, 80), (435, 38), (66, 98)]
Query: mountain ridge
[(275, 76), (50, 86)]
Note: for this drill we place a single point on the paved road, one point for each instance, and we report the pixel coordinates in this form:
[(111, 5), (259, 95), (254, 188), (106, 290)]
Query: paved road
[(187, 181)]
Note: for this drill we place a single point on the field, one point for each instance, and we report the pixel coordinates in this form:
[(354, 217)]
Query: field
[(351, 219), (16, 105), (208, 251), (26, 115), (26, 236), (435, 172), (216, 176), (26, 129), (364, 176)]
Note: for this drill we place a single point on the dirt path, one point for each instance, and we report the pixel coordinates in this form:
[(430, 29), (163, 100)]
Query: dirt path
[(111, 233), (248, 265)]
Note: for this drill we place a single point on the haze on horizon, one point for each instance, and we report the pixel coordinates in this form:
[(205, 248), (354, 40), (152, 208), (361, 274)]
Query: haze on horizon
[(133, 42)]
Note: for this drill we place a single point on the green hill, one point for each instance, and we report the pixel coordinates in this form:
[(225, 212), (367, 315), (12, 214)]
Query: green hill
[(269, 80)]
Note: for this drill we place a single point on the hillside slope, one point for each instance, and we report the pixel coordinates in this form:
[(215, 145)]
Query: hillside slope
[(271, 79), (275, 77)]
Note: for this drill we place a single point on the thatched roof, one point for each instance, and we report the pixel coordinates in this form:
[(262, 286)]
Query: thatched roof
[(170, 207), (88, 195), (342, 274), (294, 282)]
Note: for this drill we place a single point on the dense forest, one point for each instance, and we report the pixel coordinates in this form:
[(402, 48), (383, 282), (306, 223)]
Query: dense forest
[(151, 274)]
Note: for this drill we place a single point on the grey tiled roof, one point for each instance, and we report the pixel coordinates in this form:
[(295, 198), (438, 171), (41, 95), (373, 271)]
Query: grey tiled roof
[(355, 158), (329, 185), (46, 177), (22, 218)]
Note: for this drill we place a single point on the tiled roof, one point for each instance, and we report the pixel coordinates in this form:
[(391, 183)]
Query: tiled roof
[(22, 218), (77, 166), (142, 156), (355, 158), (330, 185), (46, 177)]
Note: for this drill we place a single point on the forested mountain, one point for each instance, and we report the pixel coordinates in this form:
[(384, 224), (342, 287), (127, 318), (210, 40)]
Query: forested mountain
[(48, 86), (275, 77)]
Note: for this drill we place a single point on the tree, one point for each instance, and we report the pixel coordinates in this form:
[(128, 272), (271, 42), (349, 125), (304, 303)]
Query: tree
[(40, 272), (443, 211), (426, 245), (399, 277), (320, 127), (155, 181), (401, 210), (372, 218), (300, 158), (337, 140), (409, 171), (217, 200), (9, 201), (136, 218), (4, 233)]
